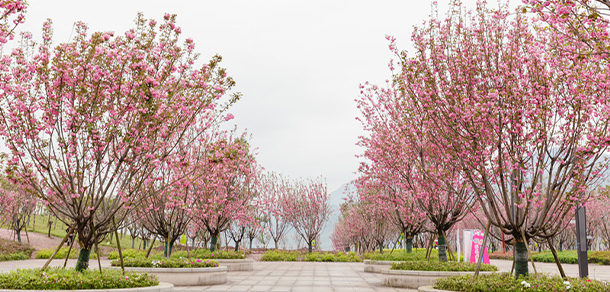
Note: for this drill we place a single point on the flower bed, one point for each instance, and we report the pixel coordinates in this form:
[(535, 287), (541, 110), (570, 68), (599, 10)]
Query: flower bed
[(199, 254), (441, 266), (178, 271), (506, 282), (565, 257), (165, 263), (420, 273), (418, 254), (70, 279)]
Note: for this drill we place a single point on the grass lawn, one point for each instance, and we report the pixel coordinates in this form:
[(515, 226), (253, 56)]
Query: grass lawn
[(58, 229)]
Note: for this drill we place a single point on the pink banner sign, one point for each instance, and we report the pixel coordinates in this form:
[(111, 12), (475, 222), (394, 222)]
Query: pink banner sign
[(475, 251)]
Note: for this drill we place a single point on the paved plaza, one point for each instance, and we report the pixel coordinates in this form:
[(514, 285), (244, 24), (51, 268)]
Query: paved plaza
[(306, 276)]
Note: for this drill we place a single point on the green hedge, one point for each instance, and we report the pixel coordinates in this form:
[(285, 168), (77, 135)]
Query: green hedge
[(500, 282), (293, 256), (197, 254), (599, 257), (565, 257), (280, 256), (441, 266), (166, 263), (70, 279), (332, 257), (61, 254), (418, 254), (14, 251)]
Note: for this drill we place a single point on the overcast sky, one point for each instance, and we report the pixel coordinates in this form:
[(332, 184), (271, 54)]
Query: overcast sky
[(297, 63)]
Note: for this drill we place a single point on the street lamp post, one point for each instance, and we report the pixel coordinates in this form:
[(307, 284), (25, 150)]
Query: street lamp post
[(581, 242)]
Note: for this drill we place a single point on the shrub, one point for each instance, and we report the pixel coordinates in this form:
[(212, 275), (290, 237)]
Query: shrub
[(129, 253), (292, 256), (599, 257), (70, 279), (200, 254), (280, 256), (61, 254), (166, 263), (16, 256), (418, 254), (499, 282), (14, 251), (441, 266)]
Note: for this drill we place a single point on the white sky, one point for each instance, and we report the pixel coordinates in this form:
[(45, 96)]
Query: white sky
[(297, 63)]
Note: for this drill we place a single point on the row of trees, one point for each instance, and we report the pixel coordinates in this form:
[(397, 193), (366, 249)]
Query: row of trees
[(122, 131), (496, 112)]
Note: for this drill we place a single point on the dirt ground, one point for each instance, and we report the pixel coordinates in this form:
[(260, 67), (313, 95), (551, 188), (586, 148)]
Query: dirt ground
[(39, 241)]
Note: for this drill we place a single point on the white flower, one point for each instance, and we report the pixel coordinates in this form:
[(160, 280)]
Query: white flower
[(567, 283), (526, 284)]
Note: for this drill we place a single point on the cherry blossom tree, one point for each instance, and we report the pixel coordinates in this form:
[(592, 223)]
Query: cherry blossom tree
[(400, 148), (12, 13), (273, 191), (225, 187), (526, 122), (88, 121), (400, 205), (17, 204), (307, 208)]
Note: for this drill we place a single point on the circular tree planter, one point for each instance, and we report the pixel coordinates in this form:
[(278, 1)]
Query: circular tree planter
[(415, 279), (430, 289), (186, 276), (372, 266), (162, 287), (236, 264)]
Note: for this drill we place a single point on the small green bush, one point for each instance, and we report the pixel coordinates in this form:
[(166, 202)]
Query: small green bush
[(418, 254), (14, 251), (499, 282), (61, 254), (599, 257), (199, 254), (19, 256), (70, 279), (293, 256), (280, 256), (166, 263), (128, 253), (441, 266), (565, 257)]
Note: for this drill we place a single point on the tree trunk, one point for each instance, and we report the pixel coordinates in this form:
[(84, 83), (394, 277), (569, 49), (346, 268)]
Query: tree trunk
[(213, 242), (83, 260), (251, 239), (18, 235), (167, 251), (381, 247), (237, 245), (521, 268), (409, 244), (133, 242), (442, 249)]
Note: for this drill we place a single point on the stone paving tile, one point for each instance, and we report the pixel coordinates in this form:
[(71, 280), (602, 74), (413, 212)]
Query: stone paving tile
[(319, 277)]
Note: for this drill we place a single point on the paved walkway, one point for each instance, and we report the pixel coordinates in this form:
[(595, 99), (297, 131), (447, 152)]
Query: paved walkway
[(305, 276), (270, 276)]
